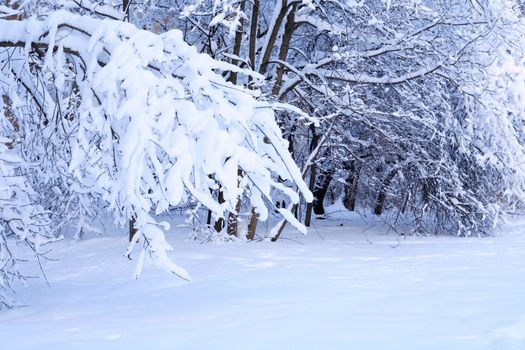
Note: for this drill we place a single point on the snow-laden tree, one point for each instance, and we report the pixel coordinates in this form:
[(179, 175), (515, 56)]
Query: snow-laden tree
[(406, 90), (108, 115)]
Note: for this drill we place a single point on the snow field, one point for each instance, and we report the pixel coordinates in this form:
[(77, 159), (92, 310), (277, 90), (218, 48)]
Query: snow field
[(338, 288)]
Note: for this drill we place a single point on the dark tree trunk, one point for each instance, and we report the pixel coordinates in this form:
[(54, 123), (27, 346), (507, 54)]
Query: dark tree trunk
[(351, 187), (232, 225), (313, 174), (208, 218), (233, 222), (289, 28), (320, 192), (132, 229), (219, 224), (291, 139), (381, 197), (237, 45), (252, 226), (253, 33), (272, 40)]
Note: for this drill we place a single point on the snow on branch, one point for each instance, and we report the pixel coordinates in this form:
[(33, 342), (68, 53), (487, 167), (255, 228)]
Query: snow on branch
[(100, 9), (368, 79), (158, 124)]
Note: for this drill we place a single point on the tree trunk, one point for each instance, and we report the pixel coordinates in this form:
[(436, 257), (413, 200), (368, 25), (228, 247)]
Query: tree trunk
[(233, 222), (252, 226), (381, 198), (132, 229), (208, 218), (237, 45), (351, 187), (283, 50), (232, 225), (253, 33), (313, 174), (272, 39), (219, 224), (320, 192)]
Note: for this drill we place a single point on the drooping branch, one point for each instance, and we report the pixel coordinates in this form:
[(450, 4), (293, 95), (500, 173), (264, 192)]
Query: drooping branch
[(162, 156)]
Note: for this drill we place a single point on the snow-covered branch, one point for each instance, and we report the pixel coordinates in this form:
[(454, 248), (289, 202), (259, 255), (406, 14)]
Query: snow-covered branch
[(155, 125), (367, 79), (101, 9)]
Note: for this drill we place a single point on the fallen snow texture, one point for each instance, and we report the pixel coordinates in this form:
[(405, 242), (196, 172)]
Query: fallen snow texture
[(343, 287)]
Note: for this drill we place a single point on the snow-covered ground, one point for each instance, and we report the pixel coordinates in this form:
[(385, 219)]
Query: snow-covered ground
[(344, 286)]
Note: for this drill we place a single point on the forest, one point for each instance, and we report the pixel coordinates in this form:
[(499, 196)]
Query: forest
[(237, 112)]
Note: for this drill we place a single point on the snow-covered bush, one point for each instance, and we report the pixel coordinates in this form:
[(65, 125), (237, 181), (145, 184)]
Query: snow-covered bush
[(111, 115)]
